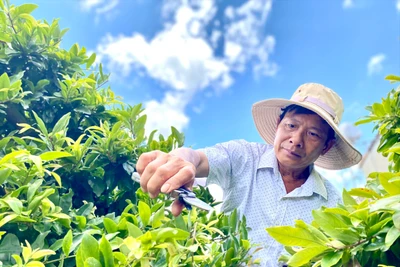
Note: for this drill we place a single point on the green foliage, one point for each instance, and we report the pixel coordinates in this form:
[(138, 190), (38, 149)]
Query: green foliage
[(68, 147), (365, 229)]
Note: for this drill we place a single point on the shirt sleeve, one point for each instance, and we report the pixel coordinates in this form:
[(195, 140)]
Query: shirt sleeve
[(226, 162)]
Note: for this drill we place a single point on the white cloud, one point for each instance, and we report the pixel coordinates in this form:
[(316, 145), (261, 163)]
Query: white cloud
[(161, 115), (184, 55), (398, 5), (243, 42), (348, 4), (351, 132), (375, 64), (98, 6)]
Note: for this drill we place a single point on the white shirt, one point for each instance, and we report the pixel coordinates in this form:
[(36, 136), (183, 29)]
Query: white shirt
[(249, 177)]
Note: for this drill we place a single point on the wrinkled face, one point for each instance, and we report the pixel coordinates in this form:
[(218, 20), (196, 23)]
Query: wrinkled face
[(300, 139)]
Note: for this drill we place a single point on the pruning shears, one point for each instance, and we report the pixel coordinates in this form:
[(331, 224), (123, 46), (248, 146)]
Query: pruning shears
[(186, 197)]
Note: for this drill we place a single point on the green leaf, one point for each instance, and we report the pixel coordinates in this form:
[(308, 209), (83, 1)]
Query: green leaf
[(66, 243), (394, 148), (396, 219), (106, 255), (39, 241), (66, 201), (158, 218), (151, 136), (52, 155), (62, 123), (57, 178), (89, 247), (339, 211), (7, 219), (348, 200), (230, 253), (33, 188), (144, 213), (314, 231), (233, 221), (80, 262), (364, 192), (291, 236), (90, 60), (42, 83), (133, 230), (366, 120), (120, 257), (110, 225), (392, 235), (393, 78), (29, 18), (305, 256), (92, 262), (378, 226), (139, 124), (41, 124), (42, 253), (162, 234), (4, 174), (335, 225), (10, 245), (331, 258), (378, 109), (6, 38), (34, 204), (392, 188), (81, 221), (24, 9), (4, 81), (14, 203), (85, 210), (385, 203), (74, 49)]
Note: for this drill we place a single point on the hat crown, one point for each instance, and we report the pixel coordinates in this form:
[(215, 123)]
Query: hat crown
[(322, 97)]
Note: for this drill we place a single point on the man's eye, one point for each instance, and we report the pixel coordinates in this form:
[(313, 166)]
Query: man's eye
[(314, 134), (290, 126)]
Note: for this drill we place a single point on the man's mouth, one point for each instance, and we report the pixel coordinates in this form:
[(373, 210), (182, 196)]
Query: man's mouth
[(292, 152)]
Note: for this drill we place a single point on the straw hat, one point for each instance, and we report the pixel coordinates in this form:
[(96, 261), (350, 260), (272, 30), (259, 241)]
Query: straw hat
[(323, 101)]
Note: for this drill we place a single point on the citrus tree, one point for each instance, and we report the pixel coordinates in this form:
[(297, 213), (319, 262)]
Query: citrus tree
[(365, 229), (68, 147)]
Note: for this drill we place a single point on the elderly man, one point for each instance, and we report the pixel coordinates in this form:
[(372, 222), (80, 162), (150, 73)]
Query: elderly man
[(271, 184)]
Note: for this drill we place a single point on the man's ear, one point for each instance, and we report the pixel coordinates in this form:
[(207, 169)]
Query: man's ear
[(328, 146)]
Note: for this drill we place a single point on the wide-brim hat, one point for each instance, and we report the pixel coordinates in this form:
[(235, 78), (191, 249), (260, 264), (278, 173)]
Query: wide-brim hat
[(324, 102)]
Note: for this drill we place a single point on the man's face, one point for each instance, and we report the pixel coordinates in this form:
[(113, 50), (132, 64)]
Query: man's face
[(300, 139)]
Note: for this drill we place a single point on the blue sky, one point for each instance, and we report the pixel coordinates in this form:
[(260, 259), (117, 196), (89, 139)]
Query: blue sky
[(200, 65)]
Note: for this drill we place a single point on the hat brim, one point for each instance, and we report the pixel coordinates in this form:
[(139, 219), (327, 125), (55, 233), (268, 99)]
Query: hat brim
[(340, 156)]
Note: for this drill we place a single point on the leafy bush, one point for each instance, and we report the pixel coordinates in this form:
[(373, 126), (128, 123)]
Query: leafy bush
[(365, 230), (67, 149)]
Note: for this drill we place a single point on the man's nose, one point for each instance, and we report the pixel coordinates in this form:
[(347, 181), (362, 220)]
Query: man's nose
[(297, 139)]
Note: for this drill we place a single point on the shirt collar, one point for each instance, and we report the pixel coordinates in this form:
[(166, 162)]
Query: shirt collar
[(314, 183), (268, 159)]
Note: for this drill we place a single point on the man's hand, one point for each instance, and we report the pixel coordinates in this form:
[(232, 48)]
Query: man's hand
[(163, 172)]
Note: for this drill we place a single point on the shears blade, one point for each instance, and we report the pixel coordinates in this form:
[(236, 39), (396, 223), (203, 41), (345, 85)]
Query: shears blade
[(186, 196)]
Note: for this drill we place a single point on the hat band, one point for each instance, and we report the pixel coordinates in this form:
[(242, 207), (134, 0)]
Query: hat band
[(319, 103)]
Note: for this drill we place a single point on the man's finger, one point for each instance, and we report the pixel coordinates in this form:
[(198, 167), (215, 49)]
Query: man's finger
[(146, 178), (164, 170), (184, 177), (144, 160), (177, 207)]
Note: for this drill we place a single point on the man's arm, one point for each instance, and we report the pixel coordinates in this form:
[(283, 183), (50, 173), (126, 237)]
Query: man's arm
[(164, 172)]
